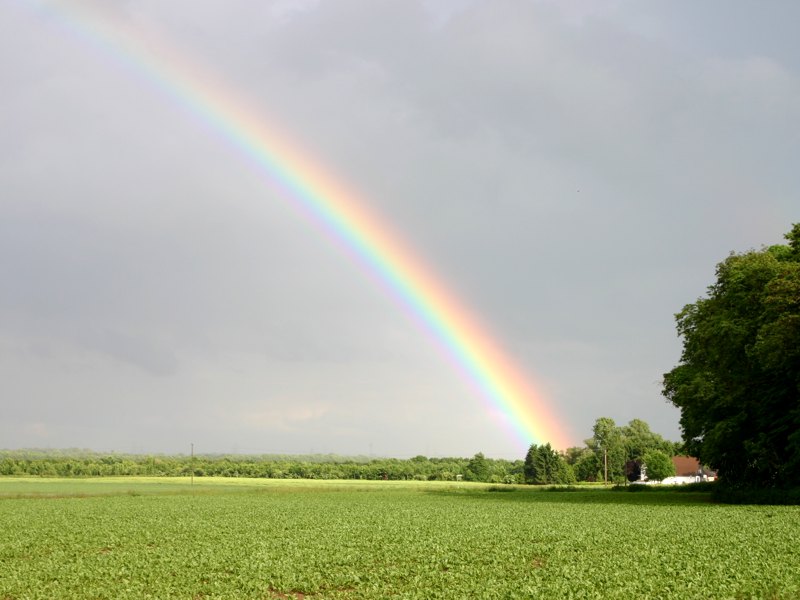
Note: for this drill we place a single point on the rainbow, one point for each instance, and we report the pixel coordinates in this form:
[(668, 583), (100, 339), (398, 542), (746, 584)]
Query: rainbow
[(336, 207)]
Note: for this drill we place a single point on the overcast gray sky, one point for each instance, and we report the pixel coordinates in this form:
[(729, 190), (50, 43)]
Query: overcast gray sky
[(572, 170)]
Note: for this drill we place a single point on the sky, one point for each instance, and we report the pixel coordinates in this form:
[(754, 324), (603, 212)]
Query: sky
[(570, 171)]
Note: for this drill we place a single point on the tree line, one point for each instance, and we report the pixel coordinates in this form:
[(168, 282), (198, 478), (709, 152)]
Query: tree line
[(614, 454), (610, 445), (46, 463)]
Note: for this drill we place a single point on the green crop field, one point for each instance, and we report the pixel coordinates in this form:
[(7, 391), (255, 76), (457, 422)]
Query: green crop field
[(162, 538)]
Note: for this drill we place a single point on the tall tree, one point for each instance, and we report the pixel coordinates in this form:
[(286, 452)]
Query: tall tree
[(639, 439), (738, 381), (477, 468), (609, 446), (543, 465), (530, 470)]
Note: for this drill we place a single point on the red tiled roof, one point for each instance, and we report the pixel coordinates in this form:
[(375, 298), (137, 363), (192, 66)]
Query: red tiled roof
[(688, 466), (685, 465)]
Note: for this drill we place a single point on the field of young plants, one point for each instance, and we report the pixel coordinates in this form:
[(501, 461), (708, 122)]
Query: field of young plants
[(163, 538)]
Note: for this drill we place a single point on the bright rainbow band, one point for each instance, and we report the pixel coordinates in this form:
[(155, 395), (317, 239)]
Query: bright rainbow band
[(337, 208)]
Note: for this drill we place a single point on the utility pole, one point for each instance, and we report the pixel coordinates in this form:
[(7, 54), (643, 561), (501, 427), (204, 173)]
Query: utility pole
[(605, 462), (191, 464)]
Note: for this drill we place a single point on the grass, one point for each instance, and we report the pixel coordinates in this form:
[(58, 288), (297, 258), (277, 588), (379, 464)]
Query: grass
[(265, 539)]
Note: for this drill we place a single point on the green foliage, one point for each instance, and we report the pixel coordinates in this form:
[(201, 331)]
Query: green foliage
[(659, 465), (632, 488), (543, 465), (697, 486), (638, 439), (84, 463), (773, 496), (266, 539), (738, 382), (587, 466), (477, 469), (620, 446), (609, 447)]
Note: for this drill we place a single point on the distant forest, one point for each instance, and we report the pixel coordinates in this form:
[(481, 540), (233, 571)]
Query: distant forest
[(84, 463), (622, 448)]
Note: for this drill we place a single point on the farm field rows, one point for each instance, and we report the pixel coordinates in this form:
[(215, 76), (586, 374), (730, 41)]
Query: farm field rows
[(233, 538)]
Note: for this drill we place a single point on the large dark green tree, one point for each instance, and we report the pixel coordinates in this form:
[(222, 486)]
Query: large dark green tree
[(587, 467), (738, 381), (477, 468), (608, 444), (543, 465)]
